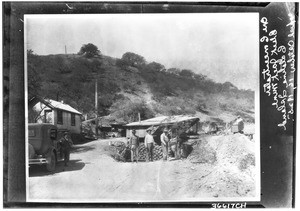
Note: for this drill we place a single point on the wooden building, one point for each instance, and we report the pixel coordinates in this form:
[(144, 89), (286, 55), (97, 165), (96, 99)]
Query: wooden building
[(57, 113)]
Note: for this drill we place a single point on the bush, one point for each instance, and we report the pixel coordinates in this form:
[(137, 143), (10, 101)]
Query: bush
[(129, 110)]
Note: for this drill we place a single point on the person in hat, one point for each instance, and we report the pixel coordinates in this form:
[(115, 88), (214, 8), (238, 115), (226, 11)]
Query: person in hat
[(134, 146), (164, 138), (65, 145), (149, 144)]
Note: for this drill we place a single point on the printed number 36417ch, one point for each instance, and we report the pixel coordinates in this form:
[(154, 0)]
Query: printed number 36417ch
[(228, 205)]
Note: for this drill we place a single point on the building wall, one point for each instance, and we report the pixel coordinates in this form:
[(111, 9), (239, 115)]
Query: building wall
[(51, 117), (66, 124)]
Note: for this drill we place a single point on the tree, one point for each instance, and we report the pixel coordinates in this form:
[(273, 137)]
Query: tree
[(128, 110), (199, 77), (227, 86), (186, 73), (34, 79), (174, 71), (154, 66), (89, 50), (134, 60)]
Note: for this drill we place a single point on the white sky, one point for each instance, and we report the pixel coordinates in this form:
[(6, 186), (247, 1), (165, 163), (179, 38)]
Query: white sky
[(223, 46)]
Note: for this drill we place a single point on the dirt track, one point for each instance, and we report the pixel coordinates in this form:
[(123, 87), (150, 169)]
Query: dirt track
[(92, 175)]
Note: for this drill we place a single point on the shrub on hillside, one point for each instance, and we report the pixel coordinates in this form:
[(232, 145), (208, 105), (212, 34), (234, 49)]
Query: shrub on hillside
[(129, 110)]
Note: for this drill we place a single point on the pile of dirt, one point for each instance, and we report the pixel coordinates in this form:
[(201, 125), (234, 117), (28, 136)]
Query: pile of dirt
[(203, 153), (232, 161), (225, 149)]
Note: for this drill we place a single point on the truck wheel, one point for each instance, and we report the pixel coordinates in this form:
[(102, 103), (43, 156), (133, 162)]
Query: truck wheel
[(51, 162)]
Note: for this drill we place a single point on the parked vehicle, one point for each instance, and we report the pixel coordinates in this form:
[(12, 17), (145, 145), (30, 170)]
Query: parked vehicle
[(43, 145)]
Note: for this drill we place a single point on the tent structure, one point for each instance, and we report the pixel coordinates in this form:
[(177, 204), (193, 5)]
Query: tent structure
[(178, 123)]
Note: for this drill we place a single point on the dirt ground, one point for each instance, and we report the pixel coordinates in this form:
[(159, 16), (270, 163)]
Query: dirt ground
[(93, 175)]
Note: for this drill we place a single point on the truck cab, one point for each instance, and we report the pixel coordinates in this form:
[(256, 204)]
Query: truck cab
[(43, 148)]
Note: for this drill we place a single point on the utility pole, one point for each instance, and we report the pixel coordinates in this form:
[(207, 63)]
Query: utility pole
[(65, 49), (96, 106), (139, 117)]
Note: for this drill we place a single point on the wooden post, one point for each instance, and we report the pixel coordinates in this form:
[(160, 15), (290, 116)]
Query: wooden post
[(96, 106), (139, 117)]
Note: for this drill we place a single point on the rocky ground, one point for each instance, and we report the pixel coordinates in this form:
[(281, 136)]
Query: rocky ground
[(220, 167)]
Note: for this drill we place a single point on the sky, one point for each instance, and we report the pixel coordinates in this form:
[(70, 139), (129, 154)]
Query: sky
[(223, 46)]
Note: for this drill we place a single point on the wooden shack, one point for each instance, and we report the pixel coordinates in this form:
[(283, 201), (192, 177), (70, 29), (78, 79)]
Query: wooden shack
[(60, 114)]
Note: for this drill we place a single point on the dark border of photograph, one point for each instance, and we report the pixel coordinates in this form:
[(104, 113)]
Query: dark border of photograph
[(277, 146)]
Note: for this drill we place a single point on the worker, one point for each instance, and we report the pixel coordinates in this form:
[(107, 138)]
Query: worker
[(164, 138), (180, 140), (240, 124), (237, 125), (66, 144), (149, 144), (134, 146)]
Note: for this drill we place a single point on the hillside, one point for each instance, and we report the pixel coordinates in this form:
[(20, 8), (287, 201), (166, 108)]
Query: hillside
[(130, 85)]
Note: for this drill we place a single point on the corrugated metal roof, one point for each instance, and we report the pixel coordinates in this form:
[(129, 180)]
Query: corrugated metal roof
[(104, 121), (60, 105), (162, 120)]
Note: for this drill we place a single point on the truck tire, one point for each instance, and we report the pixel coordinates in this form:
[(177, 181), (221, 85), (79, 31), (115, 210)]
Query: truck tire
[(51, 164)]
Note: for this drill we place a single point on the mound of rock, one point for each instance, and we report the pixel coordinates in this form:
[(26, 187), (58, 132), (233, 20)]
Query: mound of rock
[(234, 149), (122, 153), (232, 161)]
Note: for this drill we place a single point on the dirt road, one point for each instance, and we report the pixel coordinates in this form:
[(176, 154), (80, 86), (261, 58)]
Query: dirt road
[(92, 175)]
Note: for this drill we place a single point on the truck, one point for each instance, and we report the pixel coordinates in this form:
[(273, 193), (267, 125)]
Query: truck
[(43, 147)]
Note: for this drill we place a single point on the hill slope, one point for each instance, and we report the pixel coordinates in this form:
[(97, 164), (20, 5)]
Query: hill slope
[(126, 88)]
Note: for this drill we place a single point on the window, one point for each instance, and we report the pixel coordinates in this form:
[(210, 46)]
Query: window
[(73, 121), (48, 116), (53, 134), (59, 117)]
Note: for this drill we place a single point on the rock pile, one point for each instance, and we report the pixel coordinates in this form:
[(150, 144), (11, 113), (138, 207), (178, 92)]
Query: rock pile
[(231, 159), (121, 151), (157, 152)]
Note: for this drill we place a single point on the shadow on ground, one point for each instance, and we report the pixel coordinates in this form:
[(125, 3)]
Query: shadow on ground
[(39, 171), (81, 149)]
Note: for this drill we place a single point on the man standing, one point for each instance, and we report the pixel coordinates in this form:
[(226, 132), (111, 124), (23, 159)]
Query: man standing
[(66, 144), (165, 143), (134, 146), (173, 144), (149, 144)]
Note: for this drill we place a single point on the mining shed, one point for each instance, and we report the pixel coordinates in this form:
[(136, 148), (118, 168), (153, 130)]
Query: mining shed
[(180, 123)]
